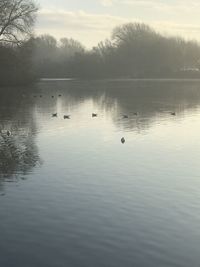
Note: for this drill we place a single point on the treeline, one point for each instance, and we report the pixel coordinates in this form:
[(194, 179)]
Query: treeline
[(17, 19), (53, 59), (134, 51), (16, 64)]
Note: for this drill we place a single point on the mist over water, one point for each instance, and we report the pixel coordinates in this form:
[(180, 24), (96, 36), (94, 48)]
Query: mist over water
[(71, 194)]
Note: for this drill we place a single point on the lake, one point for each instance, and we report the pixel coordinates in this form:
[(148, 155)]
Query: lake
[(71, 194)]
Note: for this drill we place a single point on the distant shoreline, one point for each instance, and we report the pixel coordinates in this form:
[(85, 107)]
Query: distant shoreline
[(56, 79), (121, 79), (102, 79)]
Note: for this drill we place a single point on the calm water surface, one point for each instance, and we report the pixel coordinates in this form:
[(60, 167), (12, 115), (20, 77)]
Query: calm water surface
[(71, 194)]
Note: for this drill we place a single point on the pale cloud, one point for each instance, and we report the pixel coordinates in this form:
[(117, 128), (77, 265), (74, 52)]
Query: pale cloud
[(143, 3), (187, 31), (86, 27), (107, 3), (172, 6), (91, 28)]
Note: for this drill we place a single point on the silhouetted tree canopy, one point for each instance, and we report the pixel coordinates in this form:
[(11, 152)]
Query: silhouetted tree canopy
[(135, 50), (16, 20), (130, 33), (16, 66), (16, 48), (70, 47)]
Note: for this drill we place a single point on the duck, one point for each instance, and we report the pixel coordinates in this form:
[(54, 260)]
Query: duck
[(125, 116), (173, 113), (8, 133), (135, 113), (52, 96), (54, 114), (59, 95), (94, 115), (66, 117), (123, 140)]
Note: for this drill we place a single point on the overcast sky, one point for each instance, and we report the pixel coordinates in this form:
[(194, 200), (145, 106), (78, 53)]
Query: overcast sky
[(91, 21)]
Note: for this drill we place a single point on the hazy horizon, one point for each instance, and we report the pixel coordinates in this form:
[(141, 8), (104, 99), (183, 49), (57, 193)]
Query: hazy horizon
[(92, 21)]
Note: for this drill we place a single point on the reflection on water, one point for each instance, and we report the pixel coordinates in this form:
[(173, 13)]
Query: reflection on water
[(145, 102), (17, 155), (18, 149), (95, 201)]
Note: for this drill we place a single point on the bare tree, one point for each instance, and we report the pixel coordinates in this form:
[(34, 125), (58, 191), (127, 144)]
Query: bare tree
[(16, 20), (131, 32), (70, 47)]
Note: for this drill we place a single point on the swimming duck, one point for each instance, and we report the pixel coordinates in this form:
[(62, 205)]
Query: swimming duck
[(135, 113), (94, 115), (8, 133), (125, 116), (123, 140), (66, 117), (173, 113), (54, 114)]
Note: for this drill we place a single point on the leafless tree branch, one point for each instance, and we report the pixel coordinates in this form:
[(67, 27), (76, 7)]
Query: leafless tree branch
[(16, 19)]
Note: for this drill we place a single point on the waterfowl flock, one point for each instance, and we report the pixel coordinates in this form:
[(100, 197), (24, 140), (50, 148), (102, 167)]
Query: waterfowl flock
[(96, 115), (67, 117), (8, 133), (124, 116)]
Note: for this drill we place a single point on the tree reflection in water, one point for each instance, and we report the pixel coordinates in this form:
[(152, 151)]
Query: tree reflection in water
[(18, 152), (17, 156), (145, 102), (152, 101)]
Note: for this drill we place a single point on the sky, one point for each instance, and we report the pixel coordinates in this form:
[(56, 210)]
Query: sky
[(92, 21)]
